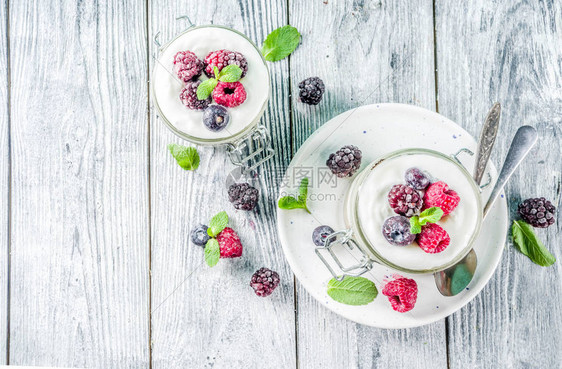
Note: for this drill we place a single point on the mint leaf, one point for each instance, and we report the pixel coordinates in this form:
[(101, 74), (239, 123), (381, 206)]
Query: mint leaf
[(187, 157), (280, 43), (205, 89), (352, 290), (526, 241), (212, 252), (290, 202), (217, 224), (415, 226), (230, 73), (431, 215), (303, 190), (216, 72)]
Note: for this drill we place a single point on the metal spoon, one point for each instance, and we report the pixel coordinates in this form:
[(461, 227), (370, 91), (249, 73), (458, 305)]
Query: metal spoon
[(454, 279)]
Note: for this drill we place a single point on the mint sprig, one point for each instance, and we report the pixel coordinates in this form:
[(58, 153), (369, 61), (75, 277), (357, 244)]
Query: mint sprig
[(280, 43), (352, 290), (217, 224), (290, 202), (527, 242), (187, 157), (230, 73), (431, 215), (212, 247), (212, 252)]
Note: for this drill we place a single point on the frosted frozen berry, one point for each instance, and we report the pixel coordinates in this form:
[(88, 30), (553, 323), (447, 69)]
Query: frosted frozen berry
[(188, 97), (216, 117), (311, 90), (538, 212), (439, 194), (187, 66), (229, 243), (416, 179), (264, 281), (243, 196), (229, 94), (222, 58), (320, 234), (404, 200), (345, 161), (396, 230), (199, 235), (433, 238), (402, 294)]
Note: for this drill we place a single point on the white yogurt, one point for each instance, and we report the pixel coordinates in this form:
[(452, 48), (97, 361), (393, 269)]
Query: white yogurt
[(201, 41), (373, 209)]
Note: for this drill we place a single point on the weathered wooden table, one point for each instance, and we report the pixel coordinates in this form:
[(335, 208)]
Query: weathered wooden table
[(95, 265)]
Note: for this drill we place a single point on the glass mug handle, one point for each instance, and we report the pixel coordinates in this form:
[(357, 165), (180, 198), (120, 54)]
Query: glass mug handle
[(343, 239)]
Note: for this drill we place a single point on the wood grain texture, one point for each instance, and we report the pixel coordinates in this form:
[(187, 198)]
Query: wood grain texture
[(511, 53), (4, 185), (203, 317), (79, 278), (365, 52)]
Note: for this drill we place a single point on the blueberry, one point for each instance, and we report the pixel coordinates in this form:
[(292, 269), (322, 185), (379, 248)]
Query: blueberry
[(396, 230), (320, 233), (216, 117), (199, 235), (416, 178)]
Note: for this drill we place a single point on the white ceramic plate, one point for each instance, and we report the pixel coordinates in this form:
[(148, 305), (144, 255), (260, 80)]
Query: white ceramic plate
[(377, 130)]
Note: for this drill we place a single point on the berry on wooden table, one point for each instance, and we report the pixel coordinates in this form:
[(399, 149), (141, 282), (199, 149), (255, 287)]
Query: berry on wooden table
[(243, 196), (199, 235), (229, 243), (311, 90), (538, 212), (264, 281)]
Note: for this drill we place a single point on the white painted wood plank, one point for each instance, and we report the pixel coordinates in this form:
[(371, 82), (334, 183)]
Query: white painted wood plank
[(206, 317), (512, 53), (4, 183), (365, 52), (80, 245)]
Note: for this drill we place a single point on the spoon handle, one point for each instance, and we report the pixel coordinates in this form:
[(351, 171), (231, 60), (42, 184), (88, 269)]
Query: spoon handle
[(525, 138), (486, 142)]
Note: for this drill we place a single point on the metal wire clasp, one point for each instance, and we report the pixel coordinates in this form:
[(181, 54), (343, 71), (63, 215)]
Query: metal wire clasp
[(343, 239), (469, 152), (251, 151)]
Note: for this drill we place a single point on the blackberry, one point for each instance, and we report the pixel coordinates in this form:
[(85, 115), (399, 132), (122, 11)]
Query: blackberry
[(416, 179), (320, 233), (199, 235), (264, 281), (311, 90), (187, 66), (538, 212), (222, 58), (345, 161), (396, 230), (243, 196), (404, 200), (216, 117), (188, 97)]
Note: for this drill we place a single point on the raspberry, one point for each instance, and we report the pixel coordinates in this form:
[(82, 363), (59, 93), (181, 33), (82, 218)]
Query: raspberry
[(538, 212), (404, 200), (311, 90), (433, 238), (216, 118), (320, 233), (222, 58), (243, 196), (264, 281), (402, 294), (345, 161), (229, 243), (187, 66), (188, 97), (396, 230), (438, 194), (229, 94), (416, 179), (199, 235)]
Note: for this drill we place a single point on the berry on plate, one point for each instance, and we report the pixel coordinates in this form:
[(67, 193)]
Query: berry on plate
[(216, 117), (199, 235), (345, 161), (416, 179), (188, 96), (402, 294), (320, 233), (311, 90), (243, 196), (229, 94), (187, 66), (404, 200), (396, 230), (264, 281), (440, 195), (222, 58), (229, 243), (433, 238), (538, 212)]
